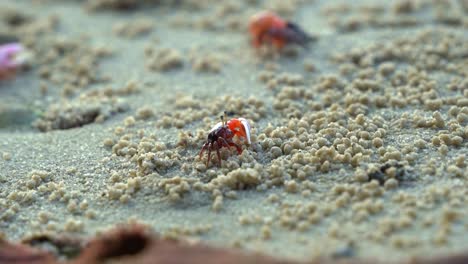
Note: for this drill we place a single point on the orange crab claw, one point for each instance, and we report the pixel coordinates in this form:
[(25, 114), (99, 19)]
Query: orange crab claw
[(240, 127)]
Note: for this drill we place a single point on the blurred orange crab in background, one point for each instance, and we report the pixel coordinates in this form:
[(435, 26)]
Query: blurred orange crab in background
[(268, 28)]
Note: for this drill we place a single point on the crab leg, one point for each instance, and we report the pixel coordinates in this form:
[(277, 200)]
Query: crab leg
[(202, 150), (219, 155), (239, 149), (224, 142), (209, 154)]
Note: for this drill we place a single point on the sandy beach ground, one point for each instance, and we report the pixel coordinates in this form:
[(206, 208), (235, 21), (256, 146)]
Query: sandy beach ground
[(359, 142)]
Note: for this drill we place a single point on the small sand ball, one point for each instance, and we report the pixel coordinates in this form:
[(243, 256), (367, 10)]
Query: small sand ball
[(134, 28), (72, 206), (6, 156), (43, 217), (84, 205), (8, 215), (386, 68), (377, 142), (231, 195), (455, 171), (456, 141), (291, 186), (129, 121), (115, 177), (361, 176), (273, 198), (433, 104), (217, 203), (119, 130), (114, 193), (124, 198), (462, 102), (166, 59), (144, 113), (266, 232), (443, 149), (391, 184), (276, 152), (201, 167), (73, 225), (207, 64), (420, 143), (51, 226), (90, 214), (287, 148), (108, 142), (460, 161)]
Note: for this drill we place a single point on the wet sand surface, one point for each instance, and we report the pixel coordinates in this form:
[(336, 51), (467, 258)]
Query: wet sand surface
[(358, 143)]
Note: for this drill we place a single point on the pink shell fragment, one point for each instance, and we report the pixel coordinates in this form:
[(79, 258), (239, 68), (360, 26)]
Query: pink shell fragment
[(7, 55)]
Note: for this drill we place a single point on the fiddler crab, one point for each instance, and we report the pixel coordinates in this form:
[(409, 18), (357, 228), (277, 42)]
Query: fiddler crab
[(268, 28), (10, 59), (221, 135)]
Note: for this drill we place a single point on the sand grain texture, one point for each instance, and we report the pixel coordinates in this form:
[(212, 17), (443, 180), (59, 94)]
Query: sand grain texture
[(359, 142)]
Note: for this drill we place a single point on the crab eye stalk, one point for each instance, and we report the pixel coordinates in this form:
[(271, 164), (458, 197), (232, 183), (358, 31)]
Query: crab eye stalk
[(222, 120)]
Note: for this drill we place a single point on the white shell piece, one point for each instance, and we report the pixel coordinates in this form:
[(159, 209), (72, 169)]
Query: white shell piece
[(22, 58), (246, 125), (218, 125)]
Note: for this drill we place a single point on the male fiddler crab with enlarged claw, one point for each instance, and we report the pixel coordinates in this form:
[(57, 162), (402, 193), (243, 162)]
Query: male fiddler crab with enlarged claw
[(222, 134)]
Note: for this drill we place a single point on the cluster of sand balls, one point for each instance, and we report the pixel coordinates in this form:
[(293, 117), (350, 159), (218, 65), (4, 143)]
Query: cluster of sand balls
[(95, 5), (210, 62), (70, 64), (226, 15), (166, 59), (282, 143), (357, 100), (24, 25), (88, 108), (133, 29), (38, 185), (333, 129), (426, 50), (190, 109), (63, 62), (362, 202), (339, 133), (129, 5), (274, 79), (159, 164), (121, 189), (346, 17), (342, 133), (187, 231), (163, 59), (175, 187), (341, 144)]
